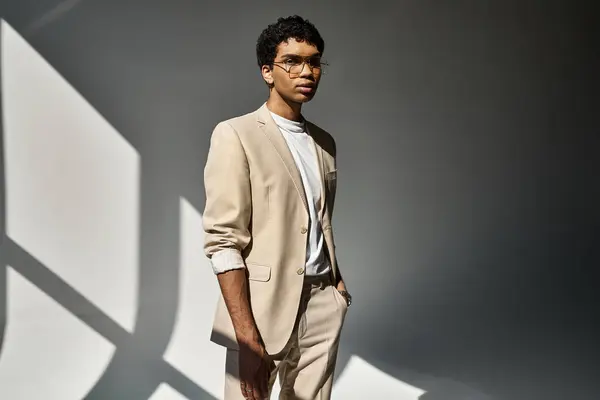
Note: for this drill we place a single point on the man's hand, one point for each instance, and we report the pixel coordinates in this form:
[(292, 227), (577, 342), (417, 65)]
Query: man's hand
[(255, 370), (341, 287), (254, 364)]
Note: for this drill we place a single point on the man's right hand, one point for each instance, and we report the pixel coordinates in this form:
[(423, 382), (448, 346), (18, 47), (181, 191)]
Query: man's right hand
[(254, 363), (255, 369)]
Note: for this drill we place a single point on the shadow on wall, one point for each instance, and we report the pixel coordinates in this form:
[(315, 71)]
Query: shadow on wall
[(471, 150)]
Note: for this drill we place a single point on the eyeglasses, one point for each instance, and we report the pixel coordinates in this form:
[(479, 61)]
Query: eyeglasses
[(294, 65)]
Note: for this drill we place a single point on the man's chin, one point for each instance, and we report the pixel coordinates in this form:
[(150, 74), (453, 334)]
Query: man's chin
[(305, 98)]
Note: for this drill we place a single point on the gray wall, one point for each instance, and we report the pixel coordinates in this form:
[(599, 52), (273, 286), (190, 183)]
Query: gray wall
[(467, 219)]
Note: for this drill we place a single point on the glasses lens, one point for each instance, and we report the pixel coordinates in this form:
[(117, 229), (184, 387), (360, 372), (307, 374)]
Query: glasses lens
[(296, 69)]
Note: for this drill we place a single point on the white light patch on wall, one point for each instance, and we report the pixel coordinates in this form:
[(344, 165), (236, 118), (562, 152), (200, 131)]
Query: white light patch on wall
[(190, 350), (361, 380), (166, 392), (72, 183), (47, 352)]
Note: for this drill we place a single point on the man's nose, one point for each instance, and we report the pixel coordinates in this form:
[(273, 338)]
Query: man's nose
[(306, 70)]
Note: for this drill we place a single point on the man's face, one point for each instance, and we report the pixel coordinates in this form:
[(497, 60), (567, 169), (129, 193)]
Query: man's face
[(296, 71)]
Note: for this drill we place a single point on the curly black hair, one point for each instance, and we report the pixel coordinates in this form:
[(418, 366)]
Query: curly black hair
[(281, 31)]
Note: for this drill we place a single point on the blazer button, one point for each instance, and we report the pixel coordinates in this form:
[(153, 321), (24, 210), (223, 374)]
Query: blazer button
[(303, 230), (300, 271)]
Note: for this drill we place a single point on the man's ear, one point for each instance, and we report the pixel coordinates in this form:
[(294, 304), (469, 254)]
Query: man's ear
[(267, 74)]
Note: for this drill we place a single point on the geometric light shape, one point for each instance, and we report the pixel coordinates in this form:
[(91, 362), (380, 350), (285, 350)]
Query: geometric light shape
[(190, 351), (72, 183), (166, 392), (47, 353), (361, 380)]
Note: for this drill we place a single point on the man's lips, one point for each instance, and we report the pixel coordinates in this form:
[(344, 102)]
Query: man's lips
[(306, 88)]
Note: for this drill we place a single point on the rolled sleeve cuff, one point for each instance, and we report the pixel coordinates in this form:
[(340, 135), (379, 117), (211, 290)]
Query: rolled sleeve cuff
[(226, 260)]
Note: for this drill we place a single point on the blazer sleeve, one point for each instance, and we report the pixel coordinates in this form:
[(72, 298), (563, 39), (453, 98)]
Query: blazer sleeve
[(228, 207)]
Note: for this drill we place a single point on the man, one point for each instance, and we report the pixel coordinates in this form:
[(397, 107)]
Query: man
[(270, 181)]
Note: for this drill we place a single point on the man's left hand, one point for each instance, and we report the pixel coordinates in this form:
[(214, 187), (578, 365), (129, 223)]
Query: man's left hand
[(340, 287)]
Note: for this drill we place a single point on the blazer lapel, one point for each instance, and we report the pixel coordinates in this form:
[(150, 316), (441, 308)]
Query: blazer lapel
[(321, 163), (272, 132)]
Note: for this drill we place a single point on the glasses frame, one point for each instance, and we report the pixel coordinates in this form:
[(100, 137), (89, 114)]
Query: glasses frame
[(305, 62)]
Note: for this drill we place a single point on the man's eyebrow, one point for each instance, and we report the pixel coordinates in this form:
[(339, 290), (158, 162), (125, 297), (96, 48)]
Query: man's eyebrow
[(298, 55)]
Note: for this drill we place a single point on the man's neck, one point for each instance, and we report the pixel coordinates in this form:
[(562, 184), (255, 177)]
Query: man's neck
[(291, 111)]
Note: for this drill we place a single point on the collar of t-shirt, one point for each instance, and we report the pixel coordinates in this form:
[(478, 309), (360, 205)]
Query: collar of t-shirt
[(294, 127)]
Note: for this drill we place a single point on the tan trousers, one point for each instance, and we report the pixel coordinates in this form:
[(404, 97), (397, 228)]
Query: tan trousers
[(307, 363)]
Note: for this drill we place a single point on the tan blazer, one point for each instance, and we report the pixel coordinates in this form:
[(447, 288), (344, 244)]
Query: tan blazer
[(255, 202)]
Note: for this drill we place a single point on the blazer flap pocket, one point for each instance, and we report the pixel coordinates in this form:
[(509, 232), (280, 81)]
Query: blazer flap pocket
[(257, 272), (331, 174)]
